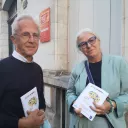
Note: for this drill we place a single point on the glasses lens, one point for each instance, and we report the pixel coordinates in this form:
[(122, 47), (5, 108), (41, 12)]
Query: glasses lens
[(26, 36), (91, 40), (81, 44), (36, 36)]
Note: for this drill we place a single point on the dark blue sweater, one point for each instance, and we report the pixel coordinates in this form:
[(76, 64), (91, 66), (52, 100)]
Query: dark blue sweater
[(16, 79)]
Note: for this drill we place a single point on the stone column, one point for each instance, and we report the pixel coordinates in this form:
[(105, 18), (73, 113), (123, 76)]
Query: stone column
[(59, 27), (4, 50)]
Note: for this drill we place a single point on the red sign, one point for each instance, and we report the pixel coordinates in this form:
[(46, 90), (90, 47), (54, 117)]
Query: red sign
[(45, 25)]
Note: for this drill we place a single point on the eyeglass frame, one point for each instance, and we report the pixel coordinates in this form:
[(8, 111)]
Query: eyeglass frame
[(35, 37), (81, 44)]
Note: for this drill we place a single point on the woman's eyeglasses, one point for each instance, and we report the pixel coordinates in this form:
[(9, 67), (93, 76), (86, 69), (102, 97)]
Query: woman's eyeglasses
[(91, 41)]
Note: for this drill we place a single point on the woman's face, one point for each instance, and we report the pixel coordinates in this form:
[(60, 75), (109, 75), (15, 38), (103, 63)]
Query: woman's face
[(89, 45)]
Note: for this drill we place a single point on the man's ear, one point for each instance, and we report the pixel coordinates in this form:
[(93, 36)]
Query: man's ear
[(13, 39)]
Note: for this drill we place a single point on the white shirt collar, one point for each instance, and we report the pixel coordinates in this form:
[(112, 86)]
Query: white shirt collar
[(18, 56)]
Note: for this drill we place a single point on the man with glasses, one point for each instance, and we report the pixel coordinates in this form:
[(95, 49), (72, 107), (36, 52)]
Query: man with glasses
[(19, 74)]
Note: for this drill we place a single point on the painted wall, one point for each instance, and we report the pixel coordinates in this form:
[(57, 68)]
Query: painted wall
[(44, 56), (51, 55), (125, 29), (67, 18), (104, 17)]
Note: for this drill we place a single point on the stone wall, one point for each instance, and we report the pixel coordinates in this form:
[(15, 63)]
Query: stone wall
[(3, 34), (56, 83)]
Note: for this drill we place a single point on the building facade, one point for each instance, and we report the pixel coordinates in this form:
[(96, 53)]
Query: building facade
[(108, 18)]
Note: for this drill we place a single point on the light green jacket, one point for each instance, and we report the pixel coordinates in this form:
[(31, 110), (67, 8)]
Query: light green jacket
[(114, 80)]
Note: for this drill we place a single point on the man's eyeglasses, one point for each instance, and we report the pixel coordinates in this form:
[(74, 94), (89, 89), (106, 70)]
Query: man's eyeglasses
[(26, 36), (91, 41)]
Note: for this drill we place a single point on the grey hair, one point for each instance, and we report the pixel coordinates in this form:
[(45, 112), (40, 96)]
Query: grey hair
[(19, 18), (85, 30)]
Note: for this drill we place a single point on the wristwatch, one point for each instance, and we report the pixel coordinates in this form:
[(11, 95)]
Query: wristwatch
[(111, 104)]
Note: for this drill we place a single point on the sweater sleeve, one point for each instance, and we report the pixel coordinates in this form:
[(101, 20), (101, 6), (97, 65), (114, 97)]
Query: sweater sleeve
[(6, 120)]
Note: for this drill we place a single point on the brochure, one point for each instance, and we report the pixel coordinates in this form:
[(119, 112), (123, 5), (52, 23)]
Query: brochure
[(90, 94), (30, 101)]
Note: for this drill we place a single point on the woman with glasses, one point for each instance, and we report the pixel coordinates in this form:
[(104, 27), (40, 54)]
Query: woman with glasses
[(107, 72)]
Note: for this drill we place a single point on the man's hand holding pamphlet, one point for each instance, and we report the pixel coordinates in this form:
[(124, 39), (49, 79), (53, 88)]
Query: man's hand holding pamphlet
[(30, 102), (89, 95)]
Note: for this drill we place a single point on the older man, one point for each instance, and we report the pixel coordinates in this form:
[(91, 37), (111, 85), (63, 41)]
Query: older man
[(19, 74)]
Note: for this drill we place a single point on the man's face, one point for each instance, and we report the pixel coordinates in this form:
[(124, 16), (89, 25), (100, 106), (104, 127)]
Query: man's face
[(26, 38)]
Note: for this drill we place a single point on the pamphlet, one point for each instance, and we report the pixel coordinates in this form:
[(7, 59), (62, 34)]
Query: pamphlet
[(90, 94), (30, 101)]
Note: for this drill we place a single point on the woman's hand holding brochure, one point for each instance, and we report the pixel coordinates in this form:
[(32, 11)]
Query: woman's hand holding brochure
[(101, 109), (91, 96)]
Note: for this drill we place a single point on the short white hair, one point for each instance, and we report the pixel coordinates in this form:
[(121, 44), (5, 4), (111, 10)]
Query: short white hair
[(85, 30), (19, 18)]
